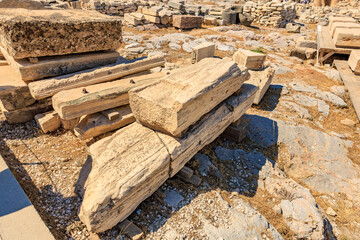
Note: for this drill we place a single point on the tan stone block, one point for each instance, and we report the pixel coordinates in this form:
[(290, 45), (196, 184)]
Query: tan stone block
[(203, 50), (354, 61), (48, 122), (187, 21), (251, 60)]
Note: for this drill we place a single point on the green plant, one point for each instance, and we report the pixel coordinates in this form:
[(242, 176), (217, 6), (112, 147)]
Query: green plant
[(258, 50)]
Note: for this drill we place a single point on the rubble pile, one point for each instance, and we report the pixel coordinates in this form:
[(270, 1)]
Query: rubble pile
[(111, 7), (273, 13), (311, 14)]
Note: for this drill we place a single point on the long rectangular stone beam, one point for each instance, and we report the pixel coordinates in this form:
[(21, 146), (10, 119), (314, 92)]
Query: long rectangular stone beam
[(78, 102), (48, 87), (186, 94), (28, 33), (135, 161), (59, 65)]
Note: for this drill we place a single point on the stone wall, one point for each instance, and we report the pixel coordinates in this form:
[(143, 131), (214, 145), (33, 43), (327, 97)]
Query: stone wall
[(273, 13)]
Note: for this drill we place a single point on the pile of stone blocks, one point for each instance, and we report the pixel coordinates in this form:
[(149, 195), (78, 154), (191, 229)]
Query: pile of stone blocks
[(345, 32), (176, 117), (112, 7), (274, 13), (144, 15), (311, 14), (90, 102), (87, 40)]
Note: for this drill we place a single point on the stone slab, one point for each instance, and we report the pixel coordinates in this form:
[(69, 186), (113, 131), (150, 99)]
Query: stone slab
[(93, 125), (261, 79), (59, 65), (78, 102), (354, 61), (348, 25), (18, 218), (57, 32), (251, 60), (333, 20), (14, 93), (26, 114), (48, 87), (187, 21), (203, 50), (181, 95), (346, 38)]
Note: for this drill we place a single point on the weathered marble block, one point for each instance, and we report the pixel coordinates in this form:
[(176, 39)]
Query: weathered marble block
[(35, 33)]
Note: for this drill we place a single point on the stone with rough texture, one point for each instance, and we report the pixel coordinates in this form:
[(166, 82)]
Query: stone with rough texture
[(346, 38), (26, 114), (354, 61), (315, 158), (134, 162), (181, 95), (251, 60), (96, 124), (78, 102), (187, 21), (241, 220), (14, 93), (48, 122), (208, 128), (49, 87), (261, 79), (298, 207), (127, 167), (57, 32)]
